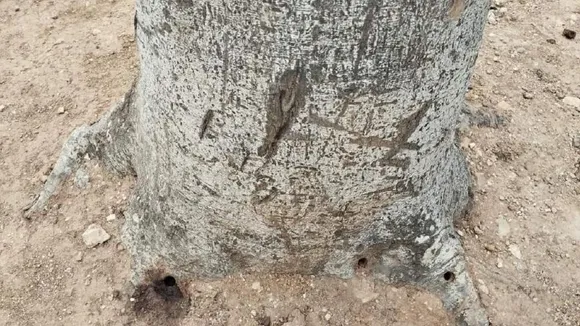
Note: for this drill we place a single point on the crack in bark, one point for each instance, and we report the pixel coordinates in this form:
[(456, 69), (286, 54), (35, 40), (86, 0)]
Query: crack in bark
[(205, 123)]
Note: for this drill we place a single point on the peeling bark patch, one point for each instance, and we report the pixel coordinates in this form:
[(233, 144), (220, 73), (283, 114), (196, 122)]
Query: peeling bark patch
[(205, 123), (456, 9), (286, 100)]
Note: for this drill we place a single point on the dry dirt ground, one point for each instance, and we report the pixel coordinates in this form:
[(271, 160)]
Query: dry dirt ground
[(63, 63)]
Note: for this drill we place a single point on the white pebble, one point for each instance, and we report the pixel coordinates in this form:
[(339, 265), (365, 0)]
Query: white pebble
[(95, 235)]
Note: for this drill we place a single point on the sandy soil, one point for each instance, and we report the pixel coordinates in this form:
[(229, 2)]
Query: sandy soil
[(63, 63)]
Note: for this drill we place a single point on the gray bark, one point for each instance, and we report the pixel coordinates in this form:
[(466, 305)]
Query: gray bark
[(299, 137)]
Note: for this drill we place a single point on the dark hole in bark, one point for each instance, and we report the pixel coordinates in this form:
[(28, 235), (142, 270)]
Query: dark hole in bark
[(169, 281), (449, 276), (362, 263)]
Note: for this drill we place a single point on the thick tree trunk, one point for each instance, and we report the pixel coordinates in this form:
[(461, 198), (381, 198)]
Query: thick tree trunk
[(299, 136)]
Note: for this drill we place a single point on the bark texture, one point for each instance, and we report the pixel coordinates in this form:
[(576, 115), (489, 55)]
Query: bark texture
[(299, 137)]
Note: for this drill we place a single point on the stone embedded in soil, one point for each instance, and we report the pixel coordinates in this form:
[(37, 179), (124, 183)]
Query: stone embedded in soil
[(515, 250), (95, 235), (296, 319), (569, 34), (363, 290), (111, 218), (503, 227), (490, 248), (504, 106), (502, 12), (572, 101), (79, 256), (491, 18), (576, 141), (499, 3), (2, 107), (257, 286), (528, 95), (60, 110), (482, 287)]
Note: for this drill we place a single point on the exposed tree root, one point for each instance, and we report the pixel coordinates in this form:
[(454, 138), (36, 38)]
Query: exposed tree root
[(106, 139)]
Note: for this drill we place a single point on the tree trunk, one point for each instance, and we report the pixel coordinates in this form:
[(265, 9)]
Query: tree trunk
[(306, 136)]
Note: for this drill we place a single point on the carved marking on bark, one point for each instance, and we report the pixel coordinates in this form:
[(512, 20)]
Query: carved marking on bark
[(371, 9), (405, 129), (319, 121), (456, 9), (287, 98), (204, 124)]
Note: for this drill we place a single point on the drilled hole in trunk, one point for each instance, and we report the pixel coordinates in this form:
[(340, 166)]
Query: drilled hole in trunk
[(449, 276), (362, 263)]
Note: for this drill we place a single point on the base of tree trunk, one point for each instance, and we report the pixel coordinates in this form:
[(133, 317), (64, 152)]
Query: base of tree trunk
[(392, 252)]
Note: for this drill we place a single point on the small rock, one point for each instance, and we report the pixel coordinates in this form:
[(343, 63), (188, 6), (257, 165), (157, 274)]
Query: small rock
[(528, 96), (96, 31), (515, 250), (2, 107), (364, 291), (61, 110), (327, 316), (490, 248), (460, 233), (576, 141), (253, 313), (120, 247), (569, 34), (551, 41), (95, 235), (499, 263), (116, 295), (55, 16), (257, 286), (17, 9), (491, 18), (499, 3), (572, 101), (535, 299), (81, 179), (478, 230), (482, 287), (503, 227), (502, 12), (111, 217), (504, 106), (296, 319), (79, 256)]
